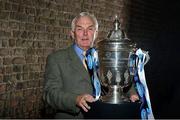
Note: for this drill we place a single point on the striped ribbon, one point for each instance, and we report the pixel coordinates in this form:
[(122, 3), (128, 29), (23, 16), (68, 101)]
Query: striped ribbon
[(93, 67), (137, 61)]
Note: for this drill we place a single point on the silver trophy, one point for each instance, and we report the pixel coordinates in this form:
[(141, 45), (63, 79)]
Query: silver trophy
[(113, 54)]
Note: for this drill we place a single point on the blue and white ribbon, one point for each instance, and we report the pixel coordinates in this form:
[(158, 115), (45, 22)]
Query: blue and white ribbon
[(93, 67), (137, 61)]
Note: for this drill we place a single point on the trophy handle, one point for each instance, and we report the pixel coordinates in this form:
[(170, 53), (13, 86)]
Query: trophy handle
[(147, 57), (142, 55)]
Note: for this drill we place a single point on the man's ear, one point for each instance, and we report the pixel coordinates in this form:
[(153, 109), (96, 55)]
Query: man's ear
[(95, 35), (72, 34)]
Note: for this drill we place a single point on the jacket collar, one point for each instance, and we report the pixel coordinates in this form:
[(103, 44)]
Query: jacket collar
[(76, 63)]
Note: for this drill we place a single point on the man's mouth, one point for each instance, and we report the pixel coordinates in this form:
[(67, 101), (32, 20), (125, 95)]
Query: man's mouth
[(84, 39)]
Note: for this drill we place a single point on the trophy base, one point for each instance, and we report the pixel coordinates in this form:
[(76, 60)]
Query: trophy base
[(114, 96)]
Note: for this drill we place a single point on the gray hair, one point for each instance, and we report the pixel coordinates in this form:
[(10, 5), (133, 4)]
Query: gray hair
[(81, 15)]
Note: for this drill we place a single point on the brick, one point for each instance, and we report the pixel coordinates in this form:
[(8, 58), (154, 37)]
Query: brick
[(24, 34), (20, 43), (23, 17), (1, 77), (7, 60), (1, 106), (3, 33), (41, 60), (5, 43), (4, 15), (2, 88), (12, 42), (4, 51), (31, 19), (19, 52), (14, 16), (42, 36), (18, 77), (40, 28), (45, 12), (32, 77), (15, 7), (16, 33), (40, 52), (20, 85), (31, 59), (25, 76), (30, 26), (17, 68), (49, 28), (29, 43), (2, 5), (14, 102), (30, 11), (43, 20), (31, 35), (7, 78), (22, 26), (26, 68), (27, 2), (14, 1), (6, 107), (35, 44), (31, 51), (8, 70), (18, 60), (41, 74), (0, 43)]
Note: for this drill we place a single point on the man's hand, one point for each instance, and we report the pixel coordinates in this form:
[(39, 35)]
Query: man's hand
[(134, 98), (82, 100)]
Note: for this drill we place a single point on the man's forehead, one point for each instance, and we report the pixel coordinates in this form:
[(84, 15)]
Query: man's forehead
[(87, 26), (85, 20)]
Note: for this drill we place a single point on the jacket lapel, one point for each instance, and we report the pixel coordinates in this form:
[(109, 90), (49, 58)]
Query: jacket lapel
[(76, 63)]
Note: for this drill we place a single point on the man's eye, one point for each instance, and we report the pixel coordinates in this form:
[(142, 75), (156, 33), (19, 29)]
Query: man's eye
[(90, 29), (79, 29)]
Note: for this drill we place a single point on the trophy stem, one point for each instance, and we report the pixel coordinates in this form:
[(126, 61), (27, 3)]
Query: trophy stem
[(114, 96)]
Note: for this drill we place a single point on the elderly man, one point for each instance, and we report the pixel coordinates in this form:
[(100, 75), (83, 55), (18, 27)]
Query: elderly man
[(68, 86)]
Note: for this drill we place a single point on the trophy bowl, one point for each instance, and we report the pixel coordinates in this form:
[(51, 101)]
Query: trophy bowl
[(114, 54)]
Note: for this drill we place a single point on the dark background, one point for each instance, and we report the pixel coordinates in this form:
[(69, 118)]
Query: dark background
[(165, 63)]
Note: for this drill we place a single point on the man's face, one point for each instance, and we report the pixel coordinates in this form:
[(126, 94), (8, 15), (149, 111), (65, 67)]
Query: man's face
[(84, 33)]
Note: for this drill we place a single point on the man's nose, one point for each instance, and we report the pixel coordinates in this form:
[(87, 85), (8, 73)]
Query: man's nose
[(85, 32)]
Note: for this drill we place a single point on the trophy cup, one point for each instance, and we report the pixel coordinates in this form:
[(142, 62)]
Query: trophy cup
[(117, 64), (114, 54)]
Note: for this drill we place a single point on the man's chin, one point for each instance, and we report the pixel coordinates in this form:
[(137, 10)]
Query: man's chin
[(86, 47)]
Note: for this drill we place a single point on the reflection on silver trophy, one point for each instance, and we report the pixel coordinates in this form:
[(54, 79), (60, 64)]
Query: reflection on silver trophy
[(114, 52)]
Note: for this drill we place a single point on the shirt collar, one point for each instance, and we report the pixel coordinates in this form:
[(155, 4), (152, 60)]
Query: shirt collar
[(78, 51)]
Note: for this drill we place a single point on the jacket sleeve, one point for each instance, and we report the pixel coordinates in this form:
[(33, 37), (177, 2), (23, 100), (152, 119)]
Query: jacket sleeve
[(53, 92)]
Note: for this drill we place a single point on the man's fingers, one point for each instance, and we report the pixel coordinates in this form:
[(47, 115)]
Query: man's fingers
[(134, 98), (82, 101), (84, 106)]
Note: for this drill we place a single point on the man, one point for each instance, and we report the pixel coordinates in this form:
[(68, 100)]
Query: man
[(68, 86)]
